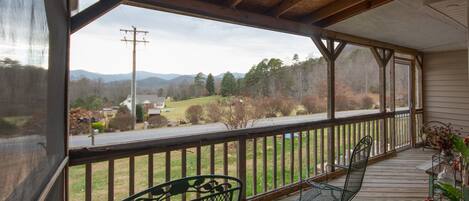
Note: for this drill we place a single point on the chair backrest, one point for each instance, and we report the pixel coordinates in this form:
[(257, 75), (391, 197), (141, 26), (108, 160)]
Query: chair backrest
[(198, 188), (357, 168), (430, 132)]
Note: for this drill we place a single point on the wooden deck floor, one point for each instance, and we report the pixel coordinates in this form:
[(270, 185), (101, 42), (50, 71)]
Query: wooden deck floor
[(394, 179)]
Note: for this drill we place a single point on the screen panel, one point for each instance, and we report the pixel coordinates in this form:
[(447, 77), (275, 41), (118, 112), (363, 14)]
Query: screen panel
[(33, 56)]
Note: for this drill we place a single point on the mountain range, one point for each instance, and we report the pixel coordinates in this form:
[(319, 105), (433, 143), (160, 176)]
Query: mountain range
[(141, 76)]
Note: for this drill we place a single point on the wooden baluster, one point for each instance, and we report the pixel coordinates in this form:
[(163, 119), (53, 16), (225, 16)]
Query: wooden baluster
[(292, 156), (401, 129), (343, 127), (212, 159), (349, 141), (150, 172), (315, 151), (398, 131), (308, 155), (241, 162), (354, 135), (322, 150), (225, 158), (131, 175), (168, 166), (88, 182), (264, 162), (198, 168), (369, 132), (337, 147), (254, 166), (110, 181), (377, 134), (274, 160), (183, 169), (198, 160), (282, 158), (300, 155)]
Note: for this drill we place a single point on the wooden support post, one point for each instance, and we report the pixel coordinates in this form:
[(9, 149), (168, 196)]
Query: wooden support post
[(392, 102), (382, 57), (413, 134), (419, 60), (330, 52), (241, 162)]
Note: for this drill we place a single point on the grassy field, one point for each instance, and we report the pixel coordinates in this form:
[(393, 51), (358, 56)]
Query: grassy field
[(176, 109)]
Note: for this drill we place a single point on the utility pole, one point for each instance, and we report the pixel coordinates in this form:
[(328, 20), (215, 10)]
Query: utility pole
[(133, 85)]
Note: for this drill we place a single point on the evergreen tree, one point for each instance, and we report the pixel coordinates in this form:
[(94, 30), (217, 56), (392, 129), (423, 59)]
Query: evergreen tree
[(199, 82), (228, 85), (210, 85)]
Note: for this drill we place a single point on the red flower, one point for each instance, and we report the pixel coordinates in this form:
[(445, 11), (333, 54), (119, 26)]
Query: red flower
[(466, 140)]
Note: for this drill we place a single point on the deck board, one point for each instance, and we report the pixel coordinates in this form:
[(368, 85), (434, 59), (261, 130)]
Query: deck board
[(394, 179)]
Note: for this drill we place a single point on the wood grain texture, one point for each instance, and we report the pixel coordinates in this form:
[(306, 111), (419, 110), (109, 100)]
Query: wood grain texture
[(393, 179)]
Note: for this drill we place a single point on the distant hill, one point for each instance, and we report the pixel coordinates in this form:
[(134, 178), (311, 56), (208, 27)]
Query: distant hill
[(141, 76), (78, 74)]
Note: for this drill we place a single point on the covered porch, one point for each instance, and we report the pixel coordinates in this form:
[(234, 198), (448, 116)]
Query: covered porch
[(426, 37)]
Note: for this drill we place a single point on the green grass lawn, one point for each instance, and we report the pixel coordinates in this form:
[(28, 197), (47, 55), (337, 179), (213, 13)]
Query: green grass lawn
[(176, 109)]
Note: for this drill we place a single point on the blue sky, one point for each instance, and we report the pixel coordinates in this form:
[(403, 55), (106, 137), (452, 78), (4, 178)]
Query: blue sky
[(179, 44)]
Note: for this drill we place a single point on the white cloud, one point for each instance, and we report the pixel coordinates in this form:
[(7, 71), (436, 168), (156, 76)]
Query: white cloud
[(179, 44)]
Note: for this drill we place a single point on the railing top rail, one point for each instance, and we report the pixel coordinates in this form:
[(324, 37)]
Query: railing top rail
[(85, 155)]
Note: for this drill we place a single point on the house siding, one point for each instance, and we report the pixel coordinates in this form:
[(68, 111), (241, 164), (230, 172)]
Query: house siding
[(446, 88)]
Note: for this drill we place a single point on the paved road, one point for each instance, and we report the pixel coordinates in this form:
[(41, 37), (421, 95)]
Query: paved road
[(152, 134)]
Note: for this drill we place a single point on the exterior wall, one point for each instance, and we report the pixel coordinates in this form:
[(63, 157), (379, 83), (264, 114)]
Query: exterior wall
[(446, 88)]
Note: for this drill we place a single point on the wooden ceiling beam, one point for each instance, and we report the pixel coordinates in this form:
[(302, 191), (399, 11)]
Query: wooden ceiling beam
[(233, 3), (225, 14), (330, 9), (283, 7), (92, 13), (351, 11)]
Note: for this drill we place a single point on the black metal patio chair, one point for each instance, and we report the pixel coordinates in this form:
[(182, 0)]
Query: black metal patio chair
[(197, 188), (353, 182), (428, 133)]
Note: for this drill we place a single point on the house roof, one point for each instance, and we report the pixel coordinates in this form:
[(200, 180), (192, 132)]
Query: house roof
[(142, 99)]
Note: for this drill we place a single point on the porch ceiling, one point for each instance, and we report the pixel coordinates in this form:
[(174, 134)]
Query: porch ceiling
[(425, 25)]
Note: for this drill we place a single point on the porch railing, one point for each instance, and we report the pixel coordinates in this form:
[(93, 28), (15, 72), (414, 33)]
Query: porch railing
[(270, 161)]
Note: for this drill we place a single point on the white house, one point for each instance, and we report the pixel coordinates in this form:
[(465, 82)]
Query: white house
[(148, 102)]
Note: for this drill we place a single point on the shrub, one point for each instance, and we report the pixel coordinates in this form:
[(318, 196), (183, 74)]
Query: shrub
[(271, 106), (194, 114), (98, 125), (214, 112), (313, 104), (301, 112), (157, 121), (122, 122), (6, 127), (139, 113), (367, 102), (286, 106)]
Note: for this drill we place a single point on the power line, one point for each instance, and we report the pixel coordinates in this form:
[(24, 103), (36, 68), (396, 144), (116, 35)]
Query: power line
[(133, 87)]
